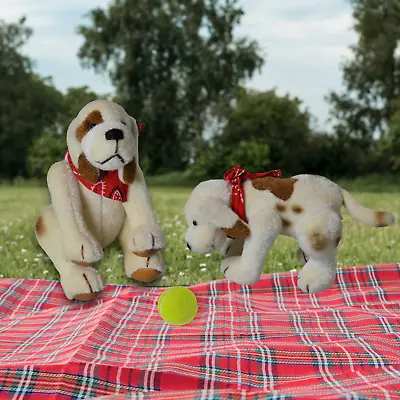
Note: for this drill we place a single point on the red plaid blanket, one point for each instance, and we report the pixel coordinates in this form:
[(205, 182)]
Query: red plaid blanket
[(264, 341)]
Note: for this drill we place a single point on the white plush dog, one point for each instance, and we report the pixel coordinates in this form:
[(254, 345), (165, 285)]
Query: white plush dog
[(306, 207), (97, 194)]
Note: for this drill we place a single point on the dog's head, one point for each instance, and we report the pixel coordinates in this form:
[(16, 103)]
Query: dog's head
[(103, 137), (210, 220)]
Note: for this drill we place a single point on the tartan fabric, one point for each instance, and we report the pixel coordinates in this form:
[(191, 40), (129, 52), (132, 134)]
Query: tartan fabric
[(265, 341)]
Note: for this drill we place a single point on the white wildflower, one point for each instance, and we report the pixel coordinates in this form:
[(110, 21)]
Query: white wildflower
[(188, 256), (203, 265), (23, 251), (208, 255), (25, 260), (36, 259), (203, 270), (1, 276), (108, 270), (181, 273), (45, 272)]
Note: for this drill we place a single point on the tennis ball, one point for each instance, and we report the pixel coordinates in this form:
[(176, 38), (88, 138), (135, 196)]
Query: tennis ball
[(177, 305)]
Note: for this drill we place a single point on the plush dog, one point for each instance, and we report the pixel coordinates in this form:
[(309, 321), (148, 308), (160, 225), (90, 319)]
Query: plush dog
[(243, 214), (98, 193)]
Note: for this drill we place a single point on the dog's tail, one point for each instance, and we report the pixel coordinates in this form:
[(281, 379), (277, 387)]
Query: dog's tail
[(366, 215)]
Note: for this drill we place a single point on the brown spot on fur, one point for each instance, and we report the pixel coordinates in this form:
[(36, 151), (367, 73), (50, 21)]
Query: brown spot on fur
[(146, 274), (88, 172), (239, 231), (145, 253), (280, 187), (381, 219), (318, 241), (82, 263), (86, 296), (93, 118), (280, 207), (286, 223), (129, 172), (40, 228), (297, 209)]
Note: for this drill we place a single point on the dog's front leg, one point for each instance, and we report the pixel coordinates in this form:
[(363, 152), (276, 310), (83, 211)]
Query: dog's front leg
[(247, 268), (78, 243), (147, 235)]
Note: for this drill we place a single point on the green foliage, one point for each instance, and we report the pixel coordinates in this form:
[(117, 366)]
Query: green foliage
[(372, 76), (393, 142), (29, 104), (45, 151), (263, 131), (170, 61)]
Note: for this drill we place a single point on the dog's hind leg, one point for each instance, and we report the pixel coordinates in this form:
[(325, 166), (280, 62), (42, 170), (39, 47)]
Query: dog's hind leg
[(79, 280), (318, 233)]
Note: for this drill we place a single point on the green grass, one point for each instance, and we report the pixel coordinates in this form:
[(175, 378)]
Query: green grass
[(21, 256)]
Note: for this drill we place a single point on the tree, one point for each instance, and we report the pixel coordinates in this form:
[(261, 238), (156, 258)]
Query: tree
[(29, 104), (170, 60), (276, 120), (372, 76), (263, 131)]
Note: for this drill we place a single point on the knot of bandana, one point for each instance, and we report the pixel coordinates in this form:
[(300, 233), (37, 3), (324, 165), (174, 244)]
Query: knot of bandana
[(235, 177)]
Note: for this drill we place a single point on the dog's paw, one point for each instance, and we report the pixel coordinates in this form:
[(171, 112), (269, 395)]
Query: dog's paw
[(82, 249), (235, 271), (144, 269), (146, 240), (81, 283), (316, 277)]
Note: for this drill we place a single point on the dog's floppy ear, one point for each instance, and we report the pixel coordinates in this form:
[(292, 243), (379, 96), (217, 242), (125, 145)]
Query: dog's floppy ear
[(127, 174), (86, 170), (224, 218)]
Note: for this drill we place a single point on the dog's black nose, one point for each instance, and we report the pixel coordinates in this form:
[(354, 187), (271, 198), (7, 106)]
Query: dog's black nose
[(188, 246), (114, 134)]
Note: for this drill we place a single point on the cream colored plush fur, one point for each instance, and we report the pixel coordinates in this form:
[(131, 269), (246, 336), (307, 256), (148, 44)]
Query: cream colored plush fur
[(78, 224), (311, 215)]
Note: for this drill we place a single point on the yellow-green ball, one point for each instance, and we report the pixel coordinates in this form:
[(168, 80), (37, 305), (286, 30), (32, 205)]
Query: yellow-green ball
[(177, 305)]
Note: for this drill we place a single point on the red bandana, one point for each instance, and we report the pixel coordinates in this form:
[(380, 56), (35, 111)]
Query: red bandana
[(108, 185), (235, 176)]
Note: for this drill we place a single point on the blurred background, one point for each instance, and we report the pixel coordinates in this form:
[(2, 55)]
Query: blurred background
[(310, 86)]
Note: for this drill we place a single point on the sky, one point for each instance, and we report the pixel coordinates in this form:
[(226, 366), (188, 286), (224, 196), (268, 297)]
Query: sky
[(303, 41)]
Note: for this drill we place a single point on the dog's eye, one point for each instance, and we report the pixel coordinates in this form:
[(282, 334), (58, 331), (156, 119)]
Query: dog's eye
[(90, 126), (195, 223)]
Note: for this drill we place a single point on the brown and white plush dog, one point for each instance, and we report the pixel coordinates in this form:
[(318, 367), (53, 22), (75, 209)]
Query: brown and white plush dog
[(305, 207), (98, 193)]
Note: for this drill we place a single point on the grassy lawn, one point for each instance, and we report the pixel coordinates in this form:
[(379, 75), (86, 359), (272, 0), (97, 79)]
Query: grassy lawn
[(21, 257)]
